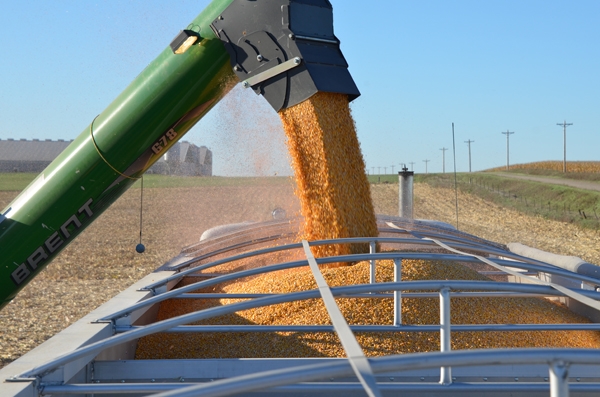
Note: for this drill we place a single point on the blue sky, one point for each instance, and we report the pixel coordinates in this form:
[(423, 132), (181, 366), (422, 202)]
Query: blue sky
[(488, 66)]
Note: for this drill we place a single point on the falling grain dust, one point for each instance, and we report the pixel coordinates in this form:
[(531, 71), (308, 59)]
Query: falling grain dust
[(329, 169), (324, 153), (249, 139)]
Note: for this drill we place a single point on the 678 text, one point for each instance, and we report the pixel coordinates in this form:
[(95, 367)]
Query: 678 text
[(164, 140)]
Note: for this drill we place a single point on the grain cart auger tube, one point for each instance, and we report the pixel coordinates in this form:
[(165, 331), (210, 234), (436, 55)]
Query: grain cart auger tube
[(282, 49)]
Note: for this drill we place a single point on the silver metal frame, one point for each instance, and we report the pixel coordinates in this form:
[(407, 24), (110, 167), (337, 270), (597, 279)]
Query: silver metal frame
[(313, 376)]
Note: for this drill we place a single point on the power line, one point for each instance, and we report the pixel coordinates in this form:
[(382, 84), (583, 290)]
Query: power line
[(426, 161), (469, 142), (507, 133), (443, 159), (565, 125)]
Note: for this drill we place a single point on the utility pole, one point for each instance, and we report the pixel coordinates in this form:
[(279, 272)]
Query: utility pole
[(469, 142), (372, 170), (443, 159), (565, 125), (507, 133), (384, 170), (378, 170), (392, 168), (411, 165), (426, 161)]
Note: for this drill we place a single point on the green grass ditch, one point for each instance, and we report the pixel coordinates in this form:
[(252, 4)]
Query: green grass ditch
[(557, 202)]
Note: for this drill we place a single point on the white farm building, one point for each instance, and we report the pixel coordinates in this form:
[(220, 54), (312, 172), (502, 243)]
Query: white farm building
[(29, 156), (35, 155)]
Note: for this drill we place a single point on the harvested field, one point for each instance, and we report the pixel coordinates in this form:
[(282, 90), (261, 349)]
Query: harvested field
[(492, 222), (102, 261)]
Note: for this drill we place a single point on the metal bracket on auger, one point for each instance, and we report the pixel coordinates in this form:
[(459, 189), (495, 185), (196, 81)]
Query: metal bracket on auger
[(269, 73), (263, 49)]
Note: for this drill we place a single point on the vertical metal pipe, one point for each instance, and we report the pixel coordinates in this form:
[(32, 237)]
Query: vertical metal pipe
[(507, 160), (397, 294), (406, 193), (372, 250), (565, 148), (445, 372), (559, 379), (507, 133)]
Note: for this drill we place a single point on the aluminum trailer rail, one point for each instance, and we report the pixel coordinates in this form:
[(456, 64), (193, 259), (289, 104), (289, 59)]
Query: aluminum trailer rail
[(95, 356)]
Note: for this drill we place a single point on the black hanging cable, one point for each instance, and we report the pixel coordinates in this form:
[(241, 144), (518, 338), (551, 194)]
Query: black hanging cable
[(455, 185), (140, 247)]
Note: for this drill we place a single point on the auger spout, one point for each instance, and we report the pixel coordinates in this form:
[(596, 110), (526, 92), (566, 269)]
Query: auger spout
[(287, 52)]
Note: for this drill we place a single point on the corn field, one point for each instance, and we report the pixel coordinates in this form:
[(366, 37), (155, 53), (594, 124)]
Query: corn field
[(572, 166)]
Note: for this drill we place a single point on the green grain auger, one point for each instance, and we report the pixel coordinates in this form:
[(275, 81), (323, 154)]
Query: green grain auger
[(284, 50)]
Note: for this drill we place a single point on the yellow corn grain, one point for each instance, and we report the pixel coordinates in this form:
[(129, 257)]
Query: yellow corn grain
[(329, 169), (363, 311), (336, 203)]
